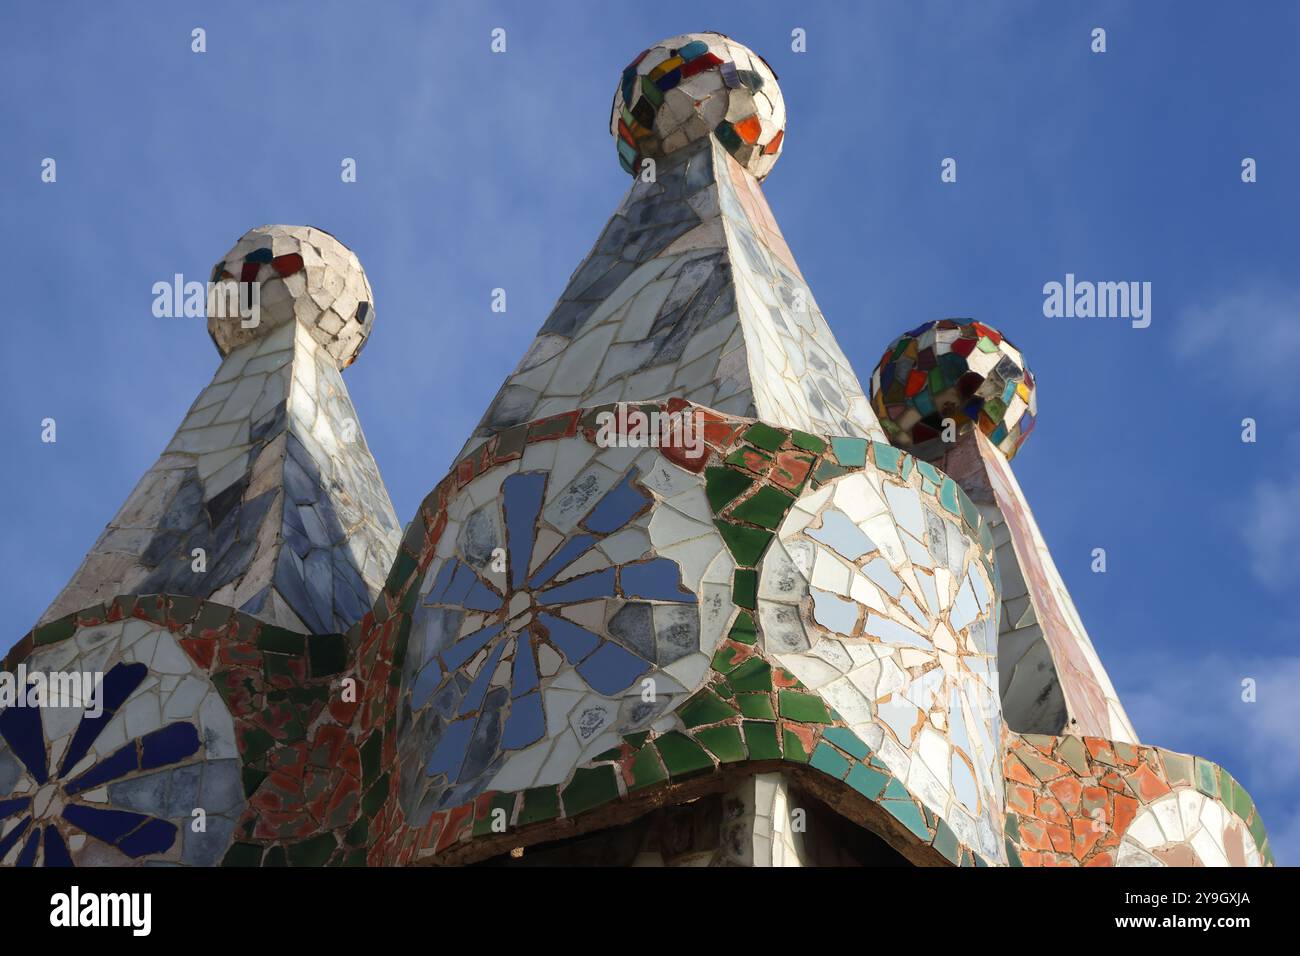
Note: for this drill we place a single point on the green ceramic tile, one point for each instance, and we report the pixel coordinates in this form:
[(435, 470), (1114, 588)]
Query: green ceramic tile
[(373, 800), (540, 803), (253, 778), (764, 436), (359, 833), (807, 442), (866, 781), (761, 740), (1072, 752), (589, 788), (744, 588), (1241, 801), (828, 471), (765, 508), (1206, 781), (501, 807), (896, 791), (905, 812), (1013, 856), (401, 570), (56, 630), (637, 739), (885, 456), (805, 708), (948, 496), (739, 456), (723, 742), (756, 705), (371, 751), (930, 472), (847, 741), (908, 464), (1178, 768), (721, 485), (280, 641), (754, 674), (705, 708), (243, 854), (945, 841), (830, 761), (681, 755), (850, 451), (723, 658), (745, 544), (328, 654), (646, 769), (743, 631), (1256, 825), (613, 753), (793, 747)]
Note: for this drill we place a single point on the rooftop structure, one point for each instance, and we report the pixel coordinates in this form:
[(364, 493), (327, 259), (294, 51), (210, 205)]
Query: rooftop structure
[(688, 595)]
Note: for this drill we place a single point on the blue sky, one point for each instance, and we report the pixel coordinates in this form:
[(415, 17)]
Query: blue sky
[(478, 171)]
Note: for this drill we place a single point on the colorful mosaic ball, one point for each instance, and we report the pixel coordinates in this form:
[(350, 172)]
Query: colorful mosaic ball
[(952, 369), (688, 86), (277, 274)]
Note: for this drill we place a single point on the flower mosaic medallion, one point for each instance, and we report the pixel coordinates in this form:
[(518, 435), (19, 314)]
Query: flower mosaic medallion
[(875, 598), (561, 609), (120, 780)]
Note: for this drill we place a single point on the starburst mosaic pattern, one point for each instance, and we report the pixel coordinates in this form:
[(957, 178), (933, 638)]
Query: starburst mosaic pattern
[(115, 779), (551, 601)]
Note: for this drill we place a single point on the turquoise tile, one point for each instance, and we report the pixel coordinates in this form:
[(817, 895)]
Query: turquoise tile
[(847, 741), (850, 451), (829, 760), (866, 781)]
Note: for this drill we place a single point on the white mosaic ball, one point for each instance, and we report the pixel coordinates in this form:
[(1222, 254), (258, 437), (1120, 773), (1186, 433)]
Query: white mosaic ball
[(301, 273), (686, 87)]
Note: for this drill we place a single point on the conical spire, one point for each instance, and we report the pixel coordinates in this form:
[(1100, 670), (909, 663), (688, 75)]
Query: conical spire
[(691, 290), (267, 498)]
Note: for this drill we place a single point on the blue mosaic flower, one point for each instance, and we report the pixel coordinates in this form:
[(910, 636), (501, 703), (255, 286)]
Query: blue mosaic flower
[(55, 808), (481, 640)]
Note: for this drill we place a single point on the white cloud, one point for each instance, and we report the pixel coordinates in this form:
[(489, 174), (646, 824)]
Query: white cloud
[(1271, 531), (1248, 339)]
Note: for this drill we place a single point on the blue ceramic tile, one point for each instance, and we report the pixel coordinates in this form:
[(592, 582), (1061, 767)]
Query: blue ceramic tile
[(612, 669), (526, 723), (655, 580), (574, 642), (589, 586), (617, 507), (571, 551), (21, 726), (172, 743), (523, 500)]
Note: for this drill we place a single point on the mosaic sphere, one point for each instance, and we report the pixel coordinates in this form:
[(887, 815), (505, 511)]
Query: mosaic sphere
[(950, 369), (683, 88), (301, 273)]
